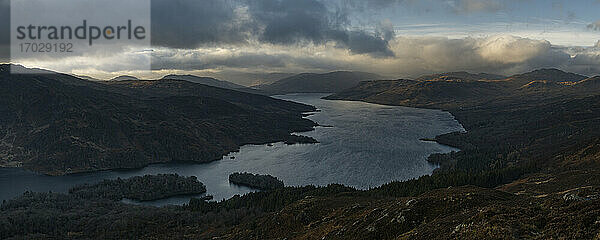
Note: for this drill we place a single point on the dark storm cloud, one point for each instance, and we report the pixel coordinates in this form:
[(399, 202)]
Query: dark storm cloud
[(292, 21), (472, 6), (188, 24), (361, 42), (243, 60)]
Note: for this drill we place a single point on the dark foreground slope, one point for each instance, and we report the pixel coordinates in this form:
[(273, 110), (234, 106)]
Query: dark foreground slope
[(332, 212), (58, 124), (530, 168)]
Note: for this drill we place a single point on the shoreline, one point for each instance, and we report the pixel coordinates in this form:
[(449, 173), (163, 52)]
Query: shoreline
[(237, 150)]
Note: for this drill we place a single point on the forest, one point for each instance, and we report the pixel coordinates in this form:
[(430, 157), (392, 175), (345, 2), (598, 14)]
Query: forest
[(140, 188), (256, 181)]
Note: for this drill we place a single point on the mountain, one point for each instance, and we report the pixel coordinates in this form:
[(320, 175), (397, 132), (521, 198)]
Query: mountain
[(318, 83), (212, 82), (462, 76), (449, 90), (124, 78), (550, 75), (445, 89), (593, 83), (58, 124), (205, 80)]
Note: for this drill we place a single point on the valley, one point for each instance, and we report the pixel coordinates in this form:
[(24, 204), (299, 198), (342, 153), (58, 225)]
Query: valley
[(528, 168)]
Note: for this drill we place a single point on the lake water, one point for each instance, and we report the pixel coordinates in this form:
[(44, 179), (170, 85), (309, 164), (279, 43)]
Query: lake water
[(365, 145)]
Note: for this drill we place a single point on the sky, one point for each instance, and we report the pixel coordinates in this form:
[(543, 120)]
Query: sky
[(244, 41)]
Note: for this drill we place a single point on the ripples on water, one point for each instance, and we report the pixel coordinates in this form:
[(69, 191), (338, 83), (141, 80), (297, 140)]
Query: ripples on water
[(367, 145)]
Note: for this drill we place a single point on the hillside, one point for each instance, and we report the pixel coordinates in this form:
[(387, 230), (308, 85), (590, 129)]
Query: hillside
[(318, 83), (549, 75), (529, 168), (442, 91), (589, 83), (463, 76), (213, 82), (58, 124), (124, 78)]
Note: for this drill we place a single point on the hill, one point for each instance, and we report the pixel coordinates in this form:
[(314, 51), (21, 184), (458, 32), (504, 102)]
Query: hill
[(124, 78), (448, 91), (213, 82), (58, 124), (529, 167), (550, 75), (318, 83), (593, 83), (463, 76)]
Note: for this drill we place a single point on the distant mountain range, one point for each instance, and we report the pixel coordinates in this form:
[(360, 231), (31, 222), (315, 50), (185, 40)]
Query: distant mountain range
[(464, 76), (58, 124), (465, 89), (318, 83), (299, 83), (213, 82)]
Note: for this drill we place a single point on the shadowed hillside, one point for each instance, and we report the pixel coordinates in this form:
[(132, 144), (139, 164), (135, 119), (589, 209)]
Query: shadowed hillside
[(58, 124), (448, 91)]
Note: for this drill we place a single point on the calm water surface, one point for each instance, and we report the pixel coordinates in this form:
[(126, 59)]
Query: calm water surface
[(367, 145)]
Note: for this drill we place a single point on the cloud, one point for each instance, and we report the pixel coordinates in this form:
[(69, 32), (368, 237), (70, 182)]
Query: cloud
[(412, 56), (496, 54), (320, 36), (293, 22), (510, 49), (594, 26), (472, 6), (361, 42), (290, 21), (188, 24)]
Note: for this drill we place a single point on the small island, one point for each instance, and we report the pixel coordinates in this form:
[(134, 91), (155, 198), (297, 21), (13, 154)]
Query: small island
[(298, 139), (146, 188), (256, 181)]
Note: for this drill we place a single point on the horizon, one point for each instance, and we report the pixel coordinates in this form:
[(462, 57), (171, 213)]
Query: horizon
[(83, 77)]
